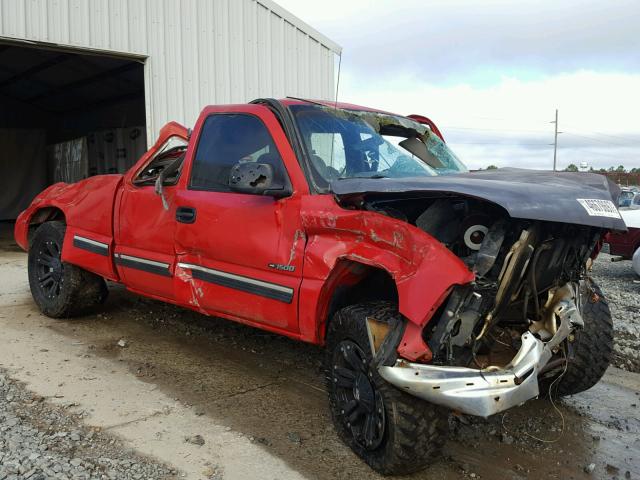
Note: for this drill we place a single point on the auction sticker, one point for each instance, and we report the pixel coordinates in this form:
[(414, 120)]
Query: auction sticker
[(599, 208)]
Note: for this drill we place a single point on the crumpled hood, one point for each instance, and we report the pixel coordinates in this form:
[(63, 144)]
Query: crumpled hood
[(566, 197)]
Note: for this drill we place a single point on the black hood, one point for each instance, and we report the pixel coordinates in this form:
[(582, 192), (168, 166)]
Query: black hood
[(529, 194)]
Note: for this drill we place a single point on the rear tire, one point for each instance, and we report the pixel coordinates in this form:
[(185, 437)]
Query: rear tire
[(590, 352), (393, 432), (60, 289)]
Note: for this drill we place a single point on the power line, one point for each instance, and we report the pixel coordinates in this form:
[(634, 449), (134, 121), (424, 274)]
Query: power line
[(480, 129), (601, 141), (493, 129), (571, 133), (604, 134), (560, 146), (529, 119)]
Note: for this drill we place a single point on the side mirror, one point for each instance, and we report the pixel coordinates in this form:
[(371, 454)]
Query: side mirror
[(164, 174), (256, 179), (160, 190)]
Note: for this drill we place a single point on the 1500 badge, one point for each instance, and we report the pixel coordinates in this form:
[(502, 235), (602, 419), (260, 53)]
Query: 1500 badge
[(284, 268)]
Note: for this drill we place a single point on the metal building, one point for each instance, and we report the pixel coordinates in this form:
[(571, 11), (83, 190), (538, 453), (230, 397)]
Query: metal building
[(79, 69)]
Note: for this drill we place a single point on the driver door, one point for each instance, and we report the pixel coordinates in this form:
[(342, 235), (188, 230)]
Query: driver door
[(240, 256), (145, 230)]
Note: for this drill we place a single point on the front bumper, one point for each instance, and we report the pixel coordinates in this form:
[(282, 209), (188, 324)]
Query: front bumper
[(491, 390)]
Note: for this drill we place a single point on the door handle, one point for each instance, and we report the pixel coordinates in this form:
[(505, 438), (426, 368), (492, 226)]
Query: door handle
[(186, 214)]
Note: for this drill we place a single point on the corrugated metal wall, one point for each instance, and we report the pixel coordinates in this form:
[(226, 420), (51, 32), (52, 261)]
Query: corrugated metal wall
[(198, 52)]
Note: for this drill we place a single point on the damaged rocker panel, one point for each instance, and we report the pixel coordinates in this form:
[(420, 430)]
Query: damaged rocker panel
[(238, 282)]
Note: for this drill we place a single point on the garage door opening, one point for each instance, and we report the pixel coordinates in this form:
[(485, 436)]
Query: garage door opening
[(65, 116)]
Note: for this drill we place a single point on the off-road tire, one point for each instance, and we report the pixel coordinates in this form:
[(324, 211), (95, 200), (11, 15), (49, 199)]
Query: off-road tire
[(591, 350), (67, 290), (414, 430)]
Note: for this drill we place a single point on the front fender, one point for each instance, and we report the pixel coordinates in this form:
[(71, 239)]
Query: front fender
[(423, 269), (45, 199), (88, 207)]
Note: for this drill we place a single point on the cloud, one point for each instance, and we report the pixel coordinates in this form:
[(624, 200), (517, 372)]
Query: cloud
[(492, 73), (481, 156), (438, 41), (509, 123)]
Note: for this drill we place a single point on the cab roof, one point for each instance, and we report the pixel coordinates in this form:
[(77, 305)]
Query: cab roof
[(328, 103)]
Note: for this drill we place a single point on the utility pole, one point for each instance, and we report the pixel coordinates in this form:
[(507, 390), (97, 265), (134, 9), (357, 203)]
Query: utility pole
[(555, 142)]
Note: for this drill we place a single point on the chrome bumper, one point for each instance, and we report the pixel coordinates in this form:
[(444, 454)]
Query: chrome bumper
[(488, 391)]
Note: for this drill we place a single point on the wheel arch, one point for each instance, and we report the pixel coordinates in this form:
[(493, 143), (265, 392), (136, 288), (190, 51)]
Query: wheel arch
[(351, 282), (42, 215), (30, 219), (420, 268)]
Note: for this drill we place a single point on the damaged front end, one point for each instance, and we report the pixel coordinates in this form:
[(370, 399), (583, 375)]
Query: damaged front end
[(492, 389), (492, 340), (527, 236)]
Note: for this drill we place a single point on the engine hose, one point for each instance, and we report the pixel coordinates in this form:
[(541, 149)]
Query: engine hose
[(552, 364), (532, 275)]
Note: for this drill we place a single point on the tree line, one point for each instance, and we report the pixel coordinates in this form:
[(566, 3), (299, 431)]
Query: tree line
[(619, 169), (574, 168)]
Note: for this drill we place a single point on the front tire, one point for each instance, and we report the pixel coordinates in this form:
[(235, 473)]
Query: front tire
[(60, 289), (393, 432), (590, 352)]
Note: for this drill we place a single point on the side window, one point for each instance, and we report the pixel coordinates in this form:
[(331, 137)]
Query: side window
[(172, 151), (227, 139)]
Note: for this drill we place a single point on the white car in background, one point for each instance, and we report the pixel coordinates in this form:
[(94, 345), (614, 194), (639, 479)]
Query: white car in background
[(635, 202), (632, 219)]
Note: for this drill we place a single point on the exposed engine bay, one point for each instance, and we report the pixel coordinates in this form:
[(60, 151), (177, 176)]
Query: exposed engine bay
[(506, 326), (521, 268)]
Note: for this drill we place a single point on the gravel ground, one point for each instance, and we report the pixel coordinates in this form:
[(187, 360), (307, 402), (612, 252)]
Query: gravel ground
[(40, 441), (622, 288)]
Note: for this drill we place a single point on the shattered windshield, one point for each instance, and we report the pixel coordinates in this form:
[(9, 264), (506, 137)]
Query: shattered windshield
[(359, 144)]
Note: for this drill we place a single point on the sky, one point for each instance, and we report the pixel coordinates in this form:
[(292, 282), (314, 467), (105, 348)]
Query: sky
[(492, 73)]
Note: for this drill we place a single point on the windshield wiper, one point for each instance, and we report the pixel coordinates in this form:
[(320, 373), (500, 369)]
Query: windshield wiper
[(376, 176)]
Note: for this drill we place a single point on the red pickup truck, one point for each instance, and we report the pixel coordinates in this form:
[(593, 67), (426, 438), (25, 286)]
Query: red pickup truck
[(431, 287)]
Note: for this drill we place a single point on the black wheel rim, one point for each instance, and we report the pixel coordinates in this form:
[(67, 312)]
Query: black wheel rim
[(49, 269), (358, 400)]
